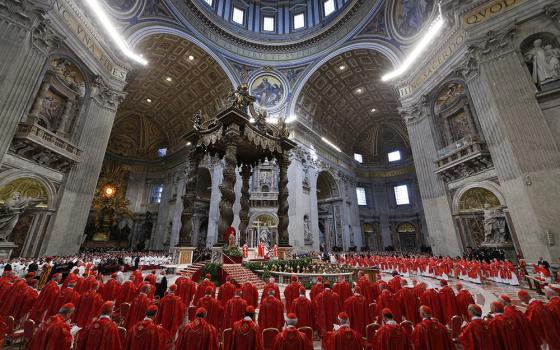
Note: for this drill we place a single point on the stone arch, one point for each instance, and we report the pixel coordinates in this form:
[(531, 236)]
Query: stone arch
[(13, 175), (326, 184), (486, 185)]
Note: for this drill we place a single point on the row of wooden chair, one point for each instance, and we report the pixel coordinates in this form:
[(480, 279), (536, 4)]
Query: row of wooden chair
[(268, 336)]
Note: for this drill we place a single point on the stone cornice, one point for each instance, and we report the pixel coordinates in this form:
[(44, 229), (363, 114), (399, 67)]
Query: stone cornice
[(25, 12), (105, 95)]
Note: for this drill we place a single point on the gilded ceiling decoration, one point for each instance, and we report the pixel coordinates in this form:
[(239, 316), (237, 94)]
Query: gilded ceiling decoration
[(161, 99), (338, 99)]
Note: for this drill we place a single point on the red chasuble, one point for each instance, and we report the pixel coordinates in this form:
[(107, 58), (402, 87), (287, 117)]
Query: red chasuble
[(366, 288), (327, 308), (201, 290), (226, 292), (431, 298), (9, 302), (430, 334), (87, 308), (53, 334), (357, 309), (392, 336), (291, 293), (291, 339), (553, 306), (137, 311), (544, 324), (197, 335), (250, 294), (394, 284), (24, 303), (271, 313), (389, 301), (215, 310), (234, 311), (345, 338), (127, 293), (186, 289), (503, 333), (409, 304), (476, 336), (448, 304), (246, 335), (303, 308), (269, 286), (316, 290), (525, 336), (147, 335), (46, 298), (171, 313), (343, 290), (101, 334), (110, 290), (66, 295), (464, 299)]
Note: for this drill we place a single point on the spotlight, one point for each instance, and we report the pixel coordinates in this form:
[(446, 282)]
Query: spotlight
[(149, 100), (169, 79), (331, 144), (191, 57)]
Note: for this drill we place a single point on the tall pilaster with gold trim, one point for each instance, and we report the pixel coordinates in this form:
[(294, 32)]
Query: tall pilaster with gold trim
[(25, 43), (524, 153)]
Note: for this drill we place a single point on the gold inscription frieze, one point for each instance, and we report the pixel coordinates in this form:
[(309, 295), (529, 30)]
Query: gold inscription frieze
[(489, 10)]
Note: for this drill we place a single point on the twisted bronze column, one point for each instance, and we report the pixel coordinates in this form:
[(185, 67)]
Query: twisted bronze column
[(227, 188), (244, 212), (283, 206), (185, 235)]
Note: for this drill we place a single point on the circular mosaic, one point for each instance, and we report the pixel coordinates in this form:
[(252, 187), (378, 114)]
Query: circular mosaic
[(269, 91), (410, 17)]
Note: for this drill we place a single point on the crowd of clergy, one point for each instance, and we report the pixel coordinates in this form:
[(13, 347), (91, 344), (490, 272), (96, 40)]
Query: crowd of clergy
[(85, 312)]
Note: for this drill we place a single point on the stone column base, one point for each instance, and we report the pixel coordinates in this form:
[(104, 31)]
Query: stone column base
[(182, 255), (6, 249), (284, 253)]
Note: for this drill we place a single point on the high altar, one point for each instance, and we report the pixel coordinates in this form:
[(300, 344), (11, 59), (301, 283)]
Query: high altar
[(243, 137)]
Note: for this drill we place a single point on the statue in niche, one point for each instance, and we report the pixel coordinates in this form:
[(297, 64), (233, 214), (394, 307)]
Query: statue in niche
[(494, 226), (11, 210), (264, 236), (543, 61), (307, 236)]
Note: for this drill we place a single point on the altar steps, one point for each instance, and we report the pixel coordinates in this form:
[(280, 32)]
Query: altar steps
[(240, 275), (192, 269)]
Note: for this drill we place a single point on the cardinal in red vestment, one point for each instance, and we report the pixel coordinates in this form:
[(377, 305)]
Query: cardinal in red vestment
[(88, 307), (127, 293), (201, 289), (148, 335), (343, 289), (138, 308), (46, 298), (186, 289), (213, 307), (198, 334), (291, 291), (391, 335), (250, 294), (502, 329), (66, 296), (226, 291), (419, 289), (430, 334), (552, 292), (316, 289), (10, 300), (111, 289), (525, 336), (136, 277), (366, 287), (394, 283), (448, 302), (542, 321), (171, 311), (291, 338), (327, 307), (464, 299), (235, 309), (270, 285), (3, 330), (343, 337), (25, 300), (409, 302), (271, 312), (430, 298), (102, 333), (54, 333), (387, 300), (357, 308), (476, 335), (246, 334), (303, 309)]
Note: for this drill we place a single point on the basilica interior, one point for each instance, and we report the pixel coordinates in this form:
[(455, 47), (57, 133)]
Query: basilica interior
[(342, 125)]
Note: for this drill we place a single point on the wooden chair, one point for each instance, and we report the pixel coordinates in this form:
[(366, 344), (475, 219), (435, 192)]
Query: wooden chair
[(226, 338), (308, 331), (28, 331), (125, 308), (268, 337), (13, 335), (408, 326), (122, 335), (370, 333), (456, 323)]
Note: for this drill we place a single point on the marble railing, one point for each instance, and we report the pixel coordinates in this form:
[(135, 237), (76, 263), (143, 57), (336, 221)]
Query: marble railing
[(463, 158)]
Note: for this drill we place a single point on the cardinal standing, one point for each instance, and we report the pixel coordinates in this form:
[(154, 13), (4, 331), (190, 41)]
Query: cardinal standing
[(270, 285), (198, 334), (553, 294), (448, 302), (542, 321), (213, 308), (226, 291), (430, 334), (316, 289), (171, 311), (409, 302), (391, 335), (271, 312), (357, 309), (343, 289), (102, 333), (54, 334), (111, 289), (66, 296), (431, 298), (291, 338), (250, 294), (476, 335), (147, 335), (186, 289), (127, 293), (387, 300), (343, 338), (235, 309), (327, 308), (138, 308), (464, 299), (303, 309), (525, 338), (246, 334), (46, 298), (291, 291), (201, 289), (88, 307), (502, 328)]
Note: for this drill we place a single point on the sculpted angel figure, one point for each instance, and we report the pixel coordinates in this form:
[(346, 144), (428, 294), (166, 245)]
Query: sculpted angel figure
[(11, 210)]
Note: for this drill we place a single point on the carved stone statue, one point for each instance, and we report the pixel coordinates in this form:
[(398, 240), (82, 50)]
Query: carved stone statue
[(494, 226), (307, 235), (198, 119), (240, 98), (543, 61), (264, 236), (11, 210)]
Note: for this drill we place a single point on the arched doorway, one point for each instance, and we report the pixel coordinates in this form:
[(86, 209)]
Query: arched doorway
[(263, 228), (329, 209), (407, 234)]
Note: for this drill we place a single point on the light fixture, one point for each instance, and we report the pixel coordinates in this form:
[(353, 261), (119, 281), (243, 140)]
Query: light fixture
[(189, 143), (191, 57), (272, 120), (113, 33), (342, 67), (432, 32), (169, 79), (331, 144), (252, 120), (373, 110), (292, 118), (359, 91), (149, 100)]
